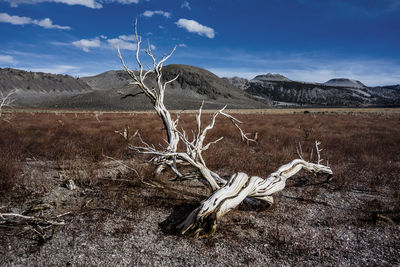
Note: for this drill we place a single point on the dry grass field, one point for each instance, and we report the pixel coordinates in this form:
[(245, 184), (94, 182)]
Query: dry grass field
[(114, 216)]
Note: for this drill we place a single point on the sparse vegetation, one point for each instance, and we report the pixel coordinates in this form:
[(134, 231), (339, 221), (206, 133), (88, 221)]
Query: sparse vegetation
[(353, 219)]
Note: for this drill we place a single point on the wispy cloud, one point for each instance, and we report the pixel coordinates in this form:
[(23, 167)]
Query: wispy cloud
[(7, 59), (48, 24), (150, 13), (186, 4), (86, 3), (124, 37), (86, 44), (195, 27), (121, 44), (17, 20), (125, 2)]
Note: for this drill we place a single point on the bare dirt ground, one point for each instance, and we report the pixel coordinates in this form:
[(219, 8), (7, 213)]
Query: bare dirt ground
[(116, 217)]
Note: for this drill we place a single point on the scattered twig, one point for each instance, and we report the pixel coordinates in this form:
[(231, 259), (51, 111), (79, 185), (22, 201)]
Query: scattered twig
[(135, 171)]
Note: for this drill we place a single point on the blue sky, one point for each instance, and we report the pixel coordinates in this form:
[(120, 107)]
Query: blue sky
[(306, 40)]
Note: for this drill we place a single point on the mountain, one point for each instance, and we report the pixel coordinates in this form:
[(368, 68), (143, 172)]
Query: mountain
[(238, 82), (343, 92), (106, 91), (13, 79), (270, 77), (344, 82), (112, 79), (37, 89), (187, 92)]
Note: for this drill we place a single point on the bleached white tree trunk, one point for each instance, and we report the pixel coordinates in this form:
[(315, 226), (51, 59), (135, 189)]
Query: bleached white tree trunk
[(226, 195), (202, 222), (156, 96)]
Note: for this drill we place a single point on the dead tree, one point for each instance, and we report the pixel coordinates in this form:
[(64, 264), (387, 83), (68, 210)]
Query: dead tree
[(6, 100), (226, 195)]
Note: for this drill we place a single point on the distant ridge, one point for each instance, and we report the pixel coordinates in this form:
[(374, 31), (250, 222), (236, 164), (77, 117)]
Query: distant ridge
[(272, 77), (238, 82), (105, 91), (344, 82), (30, 82), (338, 92), (38, 89)]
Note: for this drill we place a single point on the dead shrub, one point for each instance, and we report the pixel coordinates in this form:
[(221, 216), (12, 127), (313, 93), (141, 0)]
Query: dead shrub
[(10, 170)]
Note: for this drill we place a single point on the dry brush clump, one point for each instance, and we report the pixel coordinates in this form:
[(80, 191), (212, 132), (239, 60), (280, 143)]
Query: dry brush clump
[(365, 156), (369, 142)]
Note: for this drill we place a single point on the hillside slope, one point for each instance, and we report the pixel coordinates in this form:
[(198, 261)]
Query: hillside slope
[(106, 91), (346, 93), (192, 86), (38, 89), (13, 79)]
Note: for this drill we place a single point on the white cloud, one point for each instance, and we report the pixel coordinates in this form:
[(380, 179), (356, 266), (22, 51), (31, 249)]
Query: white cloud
[(186, 4), (125, 2), (150, 13), (181, 45), (121, 44), (124, 37), (85, 44), (48, 24), (86, 3), (6, 59), (17, 20), (195, 27)]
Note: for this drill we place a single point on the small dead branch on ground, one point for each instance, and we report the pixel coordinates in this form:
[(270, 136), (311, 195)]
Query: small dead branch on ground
[(38, 225)]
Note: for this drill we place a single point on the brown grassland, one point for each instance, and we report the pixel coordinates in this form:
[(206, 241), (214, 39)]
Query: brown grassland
[(114, 214)]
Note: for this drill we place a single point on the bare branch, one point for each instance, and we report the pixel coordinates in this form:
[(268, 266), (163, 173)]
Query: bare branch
[(319, 160), (15, 218), (299, 151), (6, 100), (235, 123)]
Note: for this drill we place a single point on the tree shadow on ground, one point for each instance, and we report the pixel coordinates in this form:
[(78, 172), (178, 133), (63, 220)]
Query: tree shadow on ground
[(179, 213)]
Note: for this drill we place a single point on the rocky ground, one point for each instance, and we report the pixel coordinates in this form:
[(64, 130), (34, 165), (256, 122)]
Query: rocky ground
[(117, 217)]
